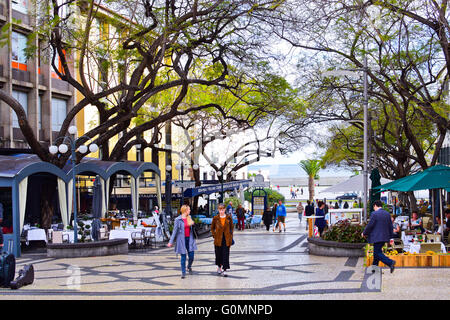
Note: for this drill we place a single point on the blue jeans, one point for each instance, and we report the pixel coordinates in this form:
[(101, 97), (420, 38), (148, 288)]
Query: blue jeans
[(183, 257), (379, 256)]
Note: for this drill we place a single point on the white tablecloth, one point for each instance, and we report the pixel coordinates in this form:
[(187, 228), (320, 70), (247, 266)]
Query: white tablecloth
[(123, 234), (415, 248), (35, 234)]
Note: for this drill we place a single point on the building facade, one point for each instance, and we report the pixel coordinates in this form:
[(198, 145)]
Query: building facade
[(45, 98)]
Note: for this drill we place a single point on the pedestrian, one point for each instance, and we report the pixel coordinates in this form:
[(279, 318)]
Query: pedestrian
[(222, 232), (320, 221), (183, 235), (274, 216), (300, 210), (380, 230), (309, 211), (267, 219), (346, 205), (240, 213), (230, 208), (281, 215)]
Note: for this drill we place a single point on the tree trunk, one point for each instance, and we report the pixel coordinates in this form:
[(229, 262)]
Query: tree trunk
[(311, 188)]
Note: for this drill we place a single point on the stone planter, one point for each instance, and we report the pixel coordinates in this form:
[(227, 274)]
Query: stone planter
[(88, 249), (320, 247)]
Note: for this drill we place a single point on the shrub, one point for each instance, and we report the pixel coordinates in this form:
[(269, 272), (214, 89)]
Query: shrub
[(272, 196), (344, 231)]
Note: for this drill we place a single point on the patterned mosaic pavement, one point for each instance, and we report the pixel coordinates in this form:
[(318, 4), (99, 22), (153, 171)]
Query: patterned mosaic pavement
[(264, 265)]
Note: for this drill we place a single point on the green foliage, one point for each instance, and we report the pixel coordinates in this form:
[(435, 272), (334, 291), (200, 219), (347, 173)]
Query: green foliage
[(272, 196), (311, 167), (234, 200), (344, 231)]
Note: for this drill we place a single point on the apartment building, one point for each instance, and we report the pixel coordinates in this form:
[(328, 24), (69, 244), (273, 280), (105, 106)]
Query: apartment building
[(32, 81)]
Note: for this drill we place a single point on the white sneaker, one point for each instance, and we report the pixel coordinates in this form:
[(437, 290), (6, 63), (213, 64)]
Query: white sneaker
[(224, 274), (219, 270)]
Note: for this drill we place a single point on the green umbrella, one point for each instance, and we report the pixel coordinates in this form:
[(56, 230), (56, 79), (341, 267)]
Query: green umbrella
[(436, 177)]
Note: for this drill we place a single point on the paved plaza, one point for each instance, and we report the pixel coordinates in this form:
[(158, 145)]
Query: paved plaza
[(264, 265)]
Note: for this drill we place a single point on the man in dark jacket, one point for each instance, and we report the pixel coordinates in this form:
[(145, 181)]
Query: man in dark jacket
[(379, 231), (309, 211)]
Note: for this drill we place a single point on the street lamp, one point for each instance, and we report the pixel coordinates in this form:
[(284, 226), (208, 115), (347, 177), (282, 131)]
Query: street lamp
[(365, 135), (219, 174), (168, 190), (63, 148)]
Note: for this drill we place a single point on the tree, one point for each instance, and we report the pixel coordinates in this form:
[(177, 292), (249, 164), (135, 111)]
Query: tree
[(312, 168), (405, 67), (160, 50)]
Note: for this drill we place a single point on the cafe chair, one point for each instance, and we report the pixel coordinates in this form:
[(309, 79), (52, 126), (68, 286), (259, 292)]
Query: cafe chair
[(138, 238), (103, 234), (65, 238), (149, 235), (49, 235), (433, 238), (57, 237)]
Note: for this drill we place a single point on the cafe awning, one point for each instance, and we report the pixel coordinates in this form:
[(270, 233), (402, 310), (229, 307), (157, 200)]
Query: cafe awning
[(216, 188)]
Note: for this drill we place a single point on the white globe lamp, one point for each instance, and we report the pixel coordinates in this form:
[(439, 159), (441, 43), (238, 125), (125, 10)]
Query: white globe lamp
[(63, 148), (83, 149), (53, 149), (93, 147), (72, 129)]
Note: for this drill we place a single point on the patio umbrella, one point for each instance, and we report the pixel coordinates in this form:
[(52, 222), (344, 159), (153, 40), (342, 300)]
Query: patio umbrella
[(97, 203), (436, 177)]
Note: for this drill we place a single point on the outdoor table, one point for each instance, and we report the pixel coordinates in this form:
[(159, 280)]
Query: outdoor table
[(415, 248), (36, 234), (121, 234), (114, 222)]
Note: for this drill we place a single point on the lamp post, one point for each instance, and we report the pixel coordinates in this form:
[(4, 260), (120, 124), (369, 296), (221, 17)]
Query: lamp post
[(63, 148), (365, 121), (180, 168), (220, 174), (168, 190)]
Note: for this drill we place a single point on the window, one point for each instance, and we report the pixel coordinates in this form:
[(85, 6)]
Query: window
[(18, 46), (59, 113), (22, 97), (20, 5)]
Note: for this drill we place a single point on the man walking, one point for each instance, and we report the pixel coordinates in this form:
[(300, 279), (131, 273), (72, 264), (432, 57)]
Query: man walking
[(300, 210), (309, 211), (379, 231), (281, 215)]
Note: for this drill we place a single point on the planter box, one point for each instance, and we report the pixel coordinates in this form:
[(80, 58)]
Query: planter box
[(416, 260), (88, 249), (320, 247)]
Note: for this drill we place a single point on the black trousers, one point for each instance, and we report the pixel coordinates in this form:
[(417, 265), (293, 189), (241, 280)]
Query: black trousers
[(223, 255)]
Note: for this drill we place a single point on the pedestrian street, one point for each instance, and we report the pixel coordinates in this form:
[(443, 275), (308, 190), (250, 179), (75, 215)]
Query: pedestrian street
[(264, 265)]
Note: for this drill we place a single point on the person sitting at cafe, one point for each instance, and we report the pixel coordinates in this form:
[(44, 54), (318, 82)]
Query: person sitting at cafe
[(439, 227), (396, 226), (416, 222)]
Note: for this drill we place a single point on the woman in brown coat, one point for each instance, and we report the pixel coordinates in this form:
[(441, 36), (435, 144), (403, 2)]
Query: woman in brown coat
[(222, 232)]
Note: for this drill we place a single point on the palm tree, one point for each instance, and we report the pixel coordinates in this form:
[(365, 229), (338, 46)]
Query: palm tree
[(311, 167)]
